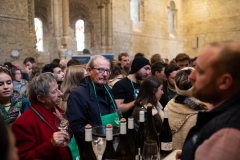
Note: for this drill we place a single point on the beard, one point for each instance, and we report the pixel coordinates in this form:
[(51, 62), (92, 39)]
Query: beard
[(140, 76), (126, 67), (209, 93), (171, 85)]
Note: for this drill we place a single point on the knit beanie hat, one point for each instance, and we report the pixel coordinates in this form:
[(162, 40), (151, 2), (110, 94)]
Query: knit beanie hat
[(138, 63)]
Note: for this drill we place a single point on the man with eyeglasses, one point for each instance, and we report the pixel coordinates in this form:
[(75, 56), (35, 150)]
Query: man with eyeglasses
[(126, 90), (92, 100)]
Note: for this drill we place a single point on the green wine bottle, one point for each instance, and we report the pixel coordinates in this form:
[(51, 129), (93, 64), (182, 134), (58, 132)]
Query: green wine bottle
[(165, 135), (150, 132), (123, 150), (140, 132), (109, 152), (88, 149), (131, 137)]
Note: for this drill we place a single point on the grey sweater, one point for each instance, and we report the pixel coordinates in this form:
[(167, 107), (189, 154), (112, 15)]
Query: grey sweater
[(20, 86)]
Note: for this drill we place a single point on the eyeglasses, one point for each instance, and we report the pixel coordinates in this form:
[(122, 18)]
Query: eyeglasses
[(101, 70)]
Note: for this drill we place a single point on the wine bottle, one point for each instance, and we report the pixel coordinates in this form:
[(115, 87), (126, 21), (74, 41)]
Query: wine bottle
[(139, 155), (131, 137), (123, 150), (140, 132), (165, 135), (109, 152), (88, 149), (150, 132)]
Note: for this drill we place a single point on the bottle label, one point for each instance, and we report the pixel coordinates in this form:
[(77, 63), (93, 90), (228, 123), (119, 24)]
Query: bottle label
[(138, 157), (166, 146)]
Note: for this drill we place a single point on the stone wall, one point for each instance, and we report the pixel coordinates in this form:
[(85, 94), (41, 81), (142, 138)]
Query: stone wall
[(151, 34), (16, 30), (166, 27), (207, 21)]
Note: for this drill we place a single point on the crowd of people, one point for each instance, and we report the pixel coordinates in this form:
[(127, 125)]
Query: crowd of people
[(201, 94)]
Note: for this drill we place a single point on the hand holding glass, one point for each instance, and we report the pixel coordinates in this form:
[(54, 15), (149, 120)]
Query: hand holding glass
[(62, 123), (150, 150)]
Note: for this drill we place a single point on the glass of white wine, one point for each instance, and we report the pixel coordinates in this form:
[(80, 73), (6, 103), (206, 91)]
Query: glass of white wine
[(150, 150), (62, 123)]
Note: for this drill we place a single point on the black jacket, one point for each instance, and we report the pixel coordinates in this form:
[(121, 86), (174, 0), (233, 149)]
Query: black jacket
[(82, 109), (166, 97), (226, 115)]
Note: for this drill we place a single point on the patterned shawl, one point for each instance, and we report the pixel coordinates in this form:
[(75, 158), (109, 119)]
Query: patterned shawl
[(15, 109)]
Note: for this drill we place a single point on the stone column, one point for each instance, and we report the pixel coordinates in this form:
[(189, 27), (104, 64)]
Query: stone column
[(57, 25), (66, 39), (141, 11), (106, 25), (65, 7), (56, 16), (31, 11), (63, 53), (110, 27)]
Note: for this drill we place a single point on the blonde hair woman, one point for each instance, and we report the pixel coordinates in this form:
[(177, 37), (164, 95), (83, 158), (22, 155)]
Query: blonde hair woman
[(72, 79)]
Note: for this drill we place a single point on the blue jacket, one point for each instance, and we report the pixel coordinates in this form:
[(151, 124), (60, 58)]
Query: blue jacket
[(82, 109)]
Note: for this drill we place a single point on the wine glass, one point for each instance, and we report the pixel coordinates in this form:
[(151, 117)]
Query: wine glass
[(62, 123), (150, 150), (119, 112)]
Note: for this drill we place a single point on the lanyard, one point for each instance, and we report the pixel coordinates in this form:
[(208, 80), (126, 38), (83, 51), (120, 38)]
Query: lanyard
[(131, 83), (94, 88), (135, 92), (168, 94), (42, 118)]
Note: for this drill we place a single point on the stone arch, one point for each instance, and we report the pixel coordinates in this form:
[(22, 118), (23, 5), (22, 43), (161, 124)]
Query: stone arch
[(78, 5), (41, 8), (79, 10), (43, 12)]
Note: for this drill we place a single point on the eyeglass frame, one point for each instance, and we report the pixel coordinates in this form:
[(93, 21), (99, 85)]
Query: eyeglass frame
[(102, 70)]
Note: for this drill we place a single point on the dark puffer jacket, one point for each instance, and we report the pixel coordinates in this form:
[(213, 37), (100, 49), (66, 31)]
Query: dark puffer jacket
[(226, 115), (82, 108)]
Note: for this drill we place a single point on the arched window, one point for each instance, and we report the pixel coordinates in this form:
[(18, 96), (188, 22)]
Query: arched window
[(39, 34), (79, 28), (134, 9), (136, 14), (172, 18)]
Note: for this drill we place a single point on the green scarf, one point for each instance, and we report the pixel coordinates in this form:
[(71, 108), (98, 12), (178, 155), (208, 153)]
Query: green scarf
[(16, 105)]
